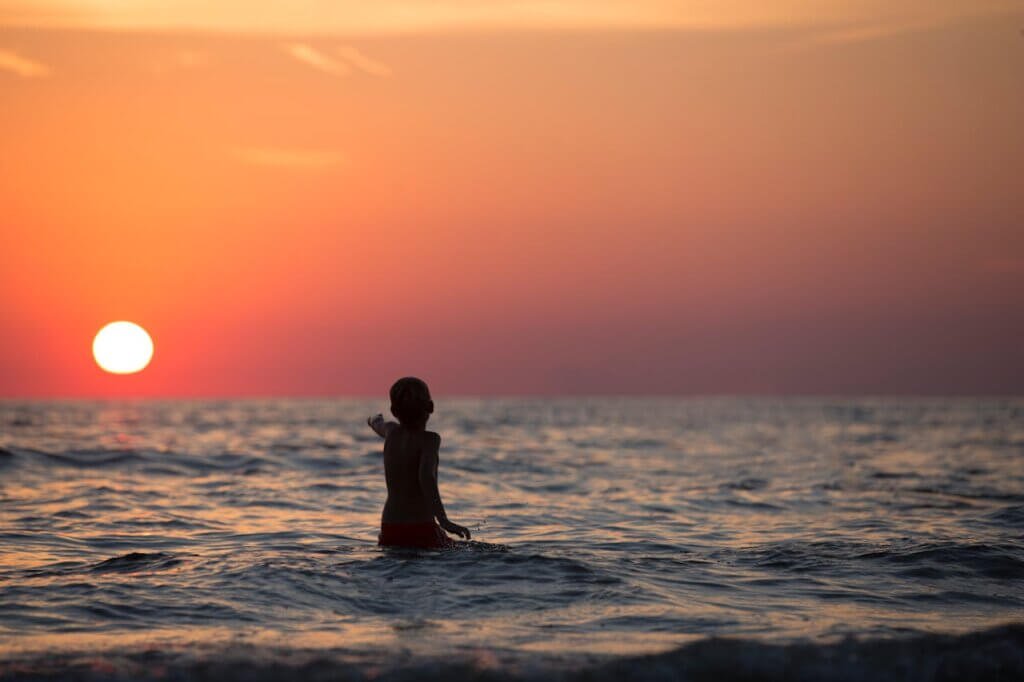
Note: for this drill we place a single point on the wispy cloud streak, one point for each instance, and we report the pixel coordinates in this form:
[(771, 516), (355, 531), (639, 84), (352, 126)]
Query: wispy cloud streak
[(350, 17), (360, 61), (13, 62), (313, 57), (851, 35)]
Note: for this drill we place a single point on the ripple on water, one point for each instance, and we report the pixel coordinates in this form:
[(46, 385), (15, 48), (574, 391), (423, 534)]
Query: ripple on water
[(137, 561), (623, 522)]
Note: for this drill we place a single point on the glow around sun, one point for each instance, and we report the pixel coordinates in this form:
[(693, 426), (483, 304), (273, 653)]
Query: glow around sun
[(122, 348)]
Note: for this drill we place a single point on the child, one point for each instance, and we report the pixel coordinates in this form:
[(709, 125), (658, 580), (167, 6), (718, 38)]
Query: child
[(410, 470)]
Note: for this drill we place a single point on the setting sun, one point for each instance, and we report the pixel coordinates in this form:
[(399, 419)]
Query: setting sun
[(122, 348)]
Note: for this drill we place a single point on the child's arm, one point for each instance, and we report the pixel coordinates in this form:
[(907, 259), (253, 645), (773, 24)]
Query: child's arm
[(379, 426), (428, 484)]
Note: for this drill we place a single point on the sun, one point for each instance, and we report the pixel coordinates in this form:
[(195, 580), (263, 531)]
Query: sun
[(122, 348)]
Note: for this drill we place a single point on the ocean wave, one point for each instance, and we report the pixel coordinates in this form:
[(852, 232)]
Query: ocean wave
[(1012, 516), (915, 559), (137, 561), (144, 461), (995, 654), (748, 484), (630, 525)]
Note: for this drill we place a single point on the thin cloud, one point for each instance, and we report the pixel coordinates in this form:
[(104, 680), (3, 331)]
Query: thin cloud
[(360, 61), (866, 29), (852, 35), (313, 57), (22, 66), (349, 17), (288, 157)]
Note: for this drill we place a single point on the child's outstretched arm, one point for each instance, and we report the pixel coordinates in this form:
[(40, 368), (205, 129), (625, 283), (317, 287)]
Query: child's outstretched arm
[(379, 426), (428, 484)]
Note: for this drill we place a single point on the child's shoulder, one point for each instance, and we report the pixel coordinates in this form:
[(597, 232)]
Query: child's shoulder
[(432, 440)]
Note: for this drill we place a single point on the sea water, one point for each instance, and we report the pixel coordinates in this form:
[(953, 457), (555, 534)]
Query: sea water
[(641, 538)]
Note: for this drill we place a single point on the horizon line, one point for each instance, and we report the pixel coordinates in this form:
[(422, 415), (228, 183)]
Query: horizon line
[(256, 397)]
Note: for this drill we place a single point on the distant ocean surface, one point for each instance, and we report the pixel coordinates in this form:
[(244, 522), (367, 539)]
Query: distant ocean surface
[(620, 539)]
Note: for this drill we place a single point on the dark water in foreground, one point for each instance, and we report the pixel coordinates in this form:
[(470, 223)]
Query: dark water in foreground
[(236, 540)]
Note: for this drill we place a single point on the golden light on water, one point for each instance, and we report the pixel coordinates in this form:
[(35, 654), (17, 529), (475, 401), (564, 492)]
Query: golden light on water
[(122, 348)]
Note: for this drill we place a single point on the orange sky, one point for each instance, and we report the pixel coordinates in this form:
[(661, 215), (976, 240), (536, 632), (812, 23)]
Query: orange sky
[(646, 197)]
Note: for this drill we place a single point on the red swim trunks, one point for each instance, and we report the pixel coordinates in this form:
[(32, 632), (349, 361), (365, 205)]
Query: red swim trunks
[(425, 535)]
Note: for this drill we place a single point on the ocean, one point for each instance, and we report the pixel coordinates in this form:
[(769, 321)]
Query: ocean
[(614, 538)]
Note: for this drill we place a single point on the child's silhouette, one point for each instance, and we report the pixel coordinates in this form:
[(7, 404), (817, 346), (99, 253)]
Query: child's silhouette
[(410, 469)]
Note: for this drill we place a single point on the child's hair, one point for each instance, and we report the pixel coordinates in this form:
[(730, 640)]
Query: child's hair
[(410, 401)]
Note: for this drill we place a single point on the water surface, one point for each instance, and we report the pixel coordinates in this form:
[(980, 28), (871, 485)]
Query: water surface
[(611, 527)]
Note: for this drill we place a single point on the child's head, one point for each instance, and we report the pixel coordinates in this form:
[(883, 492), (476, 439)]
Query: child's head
[(410, 402)]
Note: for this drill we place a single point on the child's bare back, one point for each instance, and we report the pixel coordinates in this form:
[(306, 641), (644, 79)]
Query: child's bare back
[(410, 470), (410, 467)]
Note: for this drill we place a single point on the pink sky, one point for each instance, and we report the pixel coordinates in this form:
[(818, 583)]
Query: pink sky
[(619, 201)]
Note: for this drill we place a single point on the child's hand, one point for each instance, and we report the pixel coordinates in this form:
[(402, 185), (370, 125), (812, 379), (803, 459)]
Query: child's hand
[(376, 422), (455, 528)]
